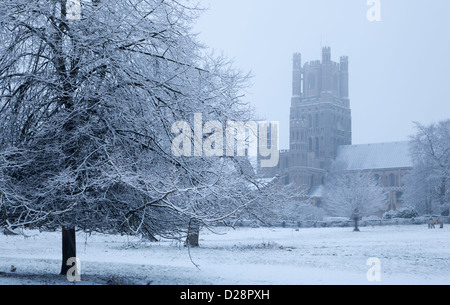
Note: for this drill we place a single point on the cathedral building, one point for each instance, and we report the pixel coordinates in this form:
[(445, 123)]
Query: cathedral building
[(320, 120), (321, 131)]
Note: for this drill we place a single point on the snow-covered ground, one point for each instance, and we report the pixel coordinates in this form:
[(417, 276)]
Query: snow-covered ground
[(408, 255)]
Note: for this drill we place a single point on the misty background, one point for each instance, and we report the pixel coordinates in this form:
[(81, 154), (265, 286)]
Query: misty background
[(399, 67)]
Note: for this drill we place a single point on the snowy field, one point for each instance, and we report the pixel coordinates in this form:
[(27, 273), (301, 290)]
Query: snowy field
[(408, 255)]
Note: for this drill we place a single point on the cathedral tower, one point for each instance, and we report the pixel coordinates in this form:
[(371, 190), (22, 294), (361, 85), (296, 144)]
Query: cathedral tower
[(320, 118)]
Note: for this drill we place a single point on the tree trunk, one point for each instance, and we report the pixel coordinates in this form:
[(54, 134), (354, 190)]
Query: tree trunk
[(193, 235), (356, 225), (445, 211), (442, 191), (149, 238), (68, 248)]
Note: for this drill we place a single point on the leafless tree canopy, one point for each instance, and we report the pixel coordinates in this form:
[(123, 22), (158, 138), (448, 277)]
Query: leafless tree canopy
[(428, 184), (86, 109), (353, 194)]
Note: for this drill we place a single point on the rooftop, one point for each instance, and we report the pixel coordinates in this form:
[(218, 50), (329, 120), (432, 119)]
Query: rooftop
[(375, 156)]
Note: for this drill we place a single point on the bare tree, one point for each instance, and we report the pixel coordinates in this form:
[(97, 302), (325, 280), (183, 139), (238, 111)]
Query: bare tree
[(353, 195), (270, 201), (429, 181), (86, 109), (420, 189)]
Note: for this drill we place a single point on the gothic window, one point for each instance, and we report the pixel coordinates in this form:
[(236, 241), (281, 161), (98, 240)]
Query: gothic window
[(310, 144), (399, 197), (392, 179), (335, 82), (317, 144), (377, 179), (317, 121), (311, 81), (310, 121)]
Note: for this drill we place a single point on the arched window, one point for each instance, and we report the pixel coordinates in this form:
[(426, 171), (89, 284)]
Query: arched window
[(377, 179), (335, 82), (392, 179), (311, 81), (399, 197)]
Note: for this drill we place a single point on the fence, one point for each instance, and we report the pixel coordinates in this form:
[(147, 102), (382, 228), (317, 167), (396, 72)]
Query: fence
[(422, 220)]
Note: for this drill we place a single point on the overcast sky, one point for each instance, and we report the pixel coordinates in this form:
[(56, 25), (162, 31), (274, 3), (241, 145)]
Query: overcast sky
[(399, 67)]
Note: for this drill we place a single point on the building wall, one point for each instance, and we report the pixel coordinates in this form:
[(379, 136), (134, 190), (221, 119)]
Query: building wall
[(392, 180)]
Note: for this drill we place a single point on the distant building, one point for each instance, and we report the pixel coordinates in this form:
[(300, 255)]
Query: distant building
[(321, 132), (387, 162)]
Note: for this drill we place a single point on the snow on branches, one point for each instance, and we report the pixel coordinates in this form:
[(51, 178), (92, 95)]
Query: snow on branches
[(86, 109)]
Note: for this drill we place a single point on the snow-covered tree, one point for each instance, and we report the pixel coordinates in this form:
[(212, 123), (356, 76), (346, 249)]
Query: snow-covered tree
[(270, 201), (428, 186), (420, 189), (86, 110), (353, 195)]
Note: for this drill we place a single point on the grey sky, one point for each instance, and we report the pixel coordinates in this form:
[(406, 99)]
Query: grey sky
[(399, 67)]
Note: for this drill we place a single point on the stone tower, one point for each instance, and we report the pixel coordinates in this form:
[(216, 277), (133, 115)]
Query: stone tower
[(320, 118)]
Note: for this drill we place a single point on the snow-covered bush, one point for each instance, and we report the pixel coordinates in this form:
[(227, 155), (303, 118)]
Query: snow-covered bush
[(407, 212)]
